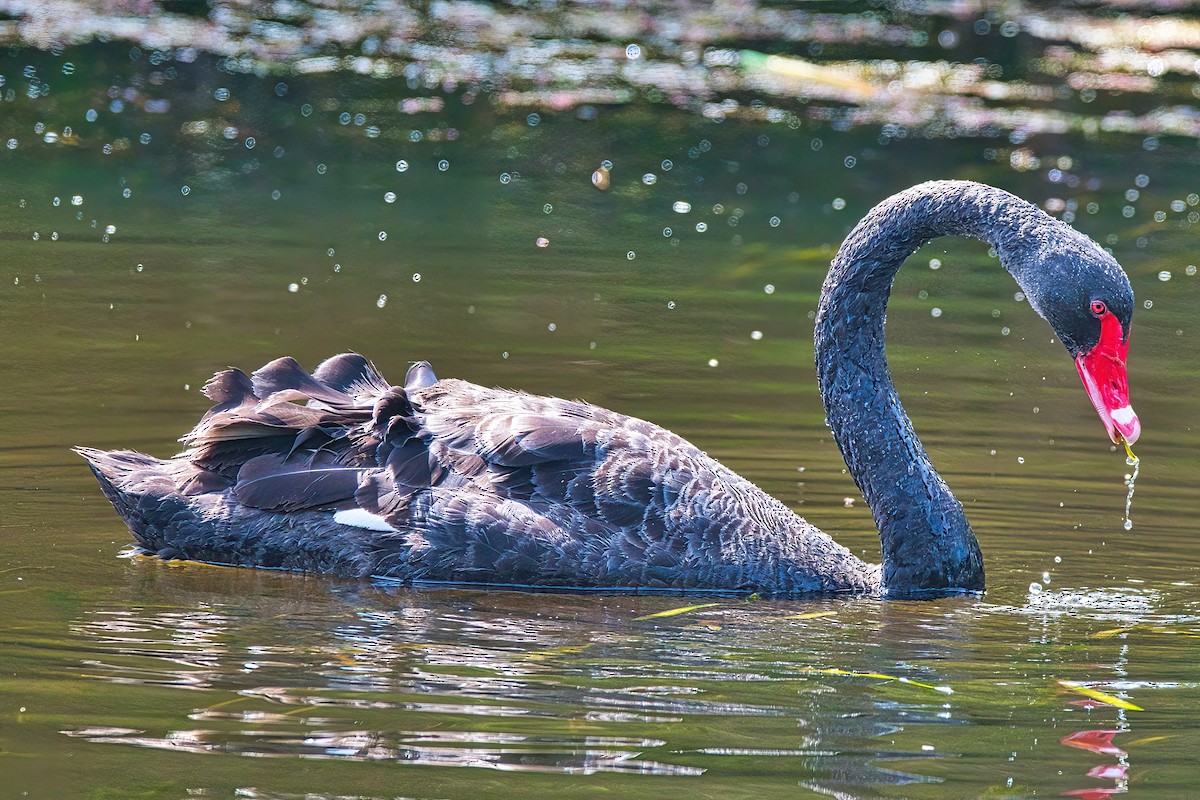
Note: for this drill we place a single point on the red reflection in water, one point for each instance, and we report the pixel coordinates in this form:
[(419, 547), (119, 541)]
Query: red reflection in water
[(1111, 772), (1098, 741)]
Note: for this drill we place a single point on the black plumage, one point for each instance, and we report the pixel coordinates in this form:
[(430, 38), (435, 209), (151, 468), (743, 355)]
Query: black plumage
[(444, 480)]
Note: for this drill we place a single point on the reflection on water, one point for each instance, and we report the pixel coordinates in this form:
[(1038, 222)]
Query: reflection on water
[(459, 681), (222, 185), (502, 681)]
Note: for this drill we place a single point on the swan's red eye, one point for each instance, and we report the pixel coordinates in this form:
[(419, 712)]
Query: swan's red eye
[(1098, 308)]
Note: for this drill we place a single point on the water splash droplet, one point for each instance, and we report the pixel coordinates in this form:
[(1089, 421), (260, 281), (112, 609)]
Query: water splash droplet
[(1133, 461)]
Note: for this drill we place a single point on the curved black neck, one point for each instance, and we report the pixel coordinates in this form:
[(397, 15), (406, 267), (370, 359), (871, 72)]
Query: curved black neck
[(927, 544)]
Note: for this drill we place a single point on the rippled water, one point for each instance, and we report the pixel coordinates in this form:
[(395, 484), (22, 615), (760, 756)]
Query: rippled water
[(255, 215)]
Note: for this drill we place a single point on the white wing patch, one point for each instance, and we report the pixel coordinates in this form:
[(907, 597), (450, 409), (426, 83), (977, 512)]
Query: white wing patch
[(361, 518)]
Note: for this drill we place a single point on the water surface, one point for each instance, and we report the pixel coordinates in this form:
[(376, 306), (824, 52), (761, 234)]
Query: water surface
[(257, 216)]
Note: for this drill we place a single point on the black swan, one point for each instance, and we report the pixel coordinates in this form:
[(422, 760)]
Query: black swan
[(445, 481)]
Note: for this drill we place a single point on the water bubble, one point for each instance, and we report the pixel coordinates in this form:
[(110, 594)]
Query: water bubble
[(774, 222), (1190, 269), (139, 268), (402, 166), (850, 162), (293, 287), (552, 327), (221, 94), (504, 355), (838, 203), (329, 252), (382, 301), (344, 118), (1178, 206), (633, 52), (1020, 459), (1148, 304), (631, 255), (1141, 181), (360, 119), (110, 229), (505, 177), (91, 115), (546, 209), (322, 169), (36, 236), (1045, 577), (416, 277), (443, 165), (1005, 331), (126, 192), (1035, 588), (666, 165), (276, 194), (935, 312), (701, 227), (54, 236), (532, 120), (756, 335), (670, 305), (712, 362), (1165, 275), (1160, 216), (306, 110), (667, 232), (383, 236), (936, 263), (1127, 524), (56, 202), (389, 197), (769, 288), (681, 207), (649, 179), (250, 142)]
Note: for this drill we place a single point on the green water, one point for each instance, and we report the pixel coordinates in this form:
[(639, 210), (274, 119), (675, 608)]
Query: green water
[(127, 677)]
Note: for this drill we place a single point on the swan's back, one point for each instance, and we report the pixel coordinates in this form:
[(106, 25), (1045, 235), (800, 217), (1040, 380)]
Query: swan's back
[(449, 481)]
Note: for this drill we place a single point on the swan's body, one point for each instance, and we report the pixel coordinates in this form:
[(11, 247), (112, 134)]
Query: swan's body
[(447, 481)]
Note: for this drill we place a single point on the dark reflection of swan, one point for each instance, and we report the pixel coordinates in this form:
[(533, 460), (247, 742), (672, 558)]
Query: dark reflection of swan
[(447, 481), (503, 681)]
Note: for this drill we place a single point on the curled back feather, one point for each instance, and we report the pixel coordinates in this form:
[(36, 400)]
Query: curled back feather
[(270, 482)]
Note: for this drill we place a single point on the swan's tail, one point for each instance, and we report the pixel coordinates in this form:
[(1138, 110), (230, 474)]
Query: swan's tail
[(137, 485)]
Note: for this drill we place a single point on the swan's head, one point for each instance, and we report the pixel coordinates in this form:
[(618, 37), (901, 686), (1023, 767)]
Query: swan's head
[(1085, 296)]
